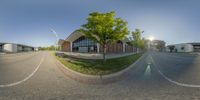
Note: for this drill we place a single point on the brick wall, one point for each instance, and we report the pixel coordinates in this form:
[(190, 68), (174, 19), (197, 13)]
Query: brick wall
[(129, 48), (118, 48), (65, 46), (113, 48)]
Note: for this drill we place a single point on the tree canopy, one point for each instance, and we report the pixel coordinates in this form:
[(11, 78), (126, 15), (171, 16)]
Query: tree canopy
[(138, 41), (104, 28)]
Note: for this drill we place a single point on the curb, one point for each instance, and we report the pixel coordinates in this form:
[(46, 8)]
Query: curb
[(96, 79)]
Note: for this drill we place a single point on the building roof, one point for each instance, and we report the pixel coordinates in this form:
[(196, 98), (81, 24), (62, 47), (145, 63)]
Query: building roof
[(74, 35), (17, 44), (61, 41), (195, 43), (192, 43)]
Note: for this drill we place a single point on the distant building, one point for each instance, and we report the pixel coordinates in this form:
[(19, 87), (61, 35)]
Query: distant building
[(156, 45), (184, 47), (13, 48)]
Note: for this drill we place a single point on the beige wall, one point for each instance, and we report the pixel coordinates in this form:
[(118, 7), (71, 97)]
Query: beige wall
[(10, 48)]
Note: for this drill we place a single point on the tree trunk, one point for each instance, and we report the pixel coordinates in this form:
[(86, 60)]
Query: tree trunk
[(104, 54)]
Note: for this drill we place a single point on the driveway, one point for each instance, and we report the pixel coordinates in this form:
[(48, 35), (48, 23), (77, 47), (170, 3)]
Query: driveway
[(36, 76)]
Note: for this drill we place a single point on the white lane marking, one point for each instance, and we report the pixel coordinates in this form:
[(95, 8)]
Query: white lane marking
[(25, 79), (172, 81), (148, 70)]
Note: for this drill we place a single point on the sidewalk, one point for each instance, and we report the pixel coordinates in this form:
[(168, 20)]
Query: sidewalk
[(95, 55)]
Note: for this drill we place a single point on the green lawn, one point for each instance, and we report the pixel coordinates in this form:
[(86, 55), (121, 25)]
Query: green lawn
[(96, 67)]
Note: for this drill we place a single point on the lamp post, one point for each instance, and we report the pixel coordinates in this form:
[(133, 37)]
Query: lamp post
[(56, 35)]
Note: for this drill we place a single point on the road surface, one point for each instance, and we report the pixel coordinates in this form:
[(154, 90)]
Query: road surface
[(157, 76)]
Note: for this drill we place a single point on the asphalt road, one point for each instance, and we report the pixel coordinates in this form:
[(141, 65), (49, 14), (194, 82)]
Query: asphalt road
[(157, 76)]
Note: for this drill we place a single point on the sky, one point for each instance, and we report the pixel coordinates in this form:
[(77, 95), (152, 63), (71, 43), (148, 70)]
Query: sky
[(29, 21)]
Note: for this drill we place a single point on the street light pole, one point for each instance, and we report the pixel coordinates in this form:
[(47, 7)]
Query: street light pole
[(56, 35)]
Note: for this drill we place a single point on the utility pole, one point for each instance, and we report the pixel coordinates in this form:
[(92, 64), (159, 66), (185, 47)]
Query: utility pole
[(56, 35)]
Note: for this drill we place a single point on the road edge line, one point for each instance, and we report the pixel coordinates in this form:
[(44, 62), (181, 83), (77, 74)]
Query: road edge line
[(172, 81), (27, 78)]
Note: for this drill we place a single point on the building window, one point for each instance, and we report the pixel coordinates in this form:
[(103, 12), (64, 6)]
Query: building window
[(84, 44)]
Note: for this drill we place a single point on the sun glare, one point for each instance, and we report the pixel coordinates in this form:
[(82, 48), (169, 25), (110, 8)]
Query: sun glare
[(151, 38)]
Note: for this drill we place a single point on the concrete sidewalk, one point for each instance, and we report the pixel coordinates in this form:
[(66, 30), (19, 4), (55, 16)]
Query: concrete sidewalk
[(95, 55)]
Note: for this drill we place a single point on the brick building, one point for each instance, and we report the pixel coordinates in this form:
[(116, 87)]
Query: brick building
[(77, 42)]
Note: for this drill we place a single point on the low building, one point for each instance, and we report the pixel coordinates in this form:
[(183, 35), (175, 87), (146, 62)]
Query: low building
[(8, 47), (77, 42), (184, 47), (13, 48)]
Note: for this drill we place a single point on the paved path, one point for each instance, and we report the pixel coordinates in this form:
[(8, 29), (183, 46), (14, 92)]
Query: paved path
[(143, 82), (95, 55)]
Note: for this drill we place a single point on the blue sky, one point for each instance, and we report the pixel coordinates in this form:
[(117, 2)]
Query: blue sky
[(29, 21)]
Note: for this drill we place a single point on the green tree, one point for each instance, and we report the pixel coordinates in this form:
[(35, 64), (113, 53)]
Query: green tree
[(171, 48), (50, 48), (104, 28), (142, 43), (160, 45), (138, 42)]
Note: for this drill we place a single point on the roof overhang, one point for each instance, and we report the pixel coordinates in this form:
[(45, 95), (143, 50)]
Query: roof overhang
[(75, 35), (61, 41), (4, 43)]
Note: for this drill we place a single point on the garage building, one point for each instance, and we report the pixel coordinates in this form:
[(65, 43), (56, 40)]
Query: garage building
[(184, 47), (13, 48)]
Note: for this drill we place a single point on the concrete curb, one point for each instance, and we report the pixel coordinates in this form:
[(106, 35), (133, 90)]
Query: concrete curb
[(96, 79)]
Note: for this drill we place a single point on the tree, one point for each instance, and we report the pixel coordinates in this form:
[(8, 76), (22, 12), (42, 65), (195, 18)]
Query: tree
[(138, 42), (142, 43), (160, 45), (171, 48), (104, 28), (52, 47)]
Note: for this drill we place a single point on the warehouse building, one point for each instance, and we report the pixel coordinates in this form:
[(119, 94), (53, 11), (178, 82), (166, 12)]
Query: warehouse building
[(13, 48), (77, 42), (184, 47)]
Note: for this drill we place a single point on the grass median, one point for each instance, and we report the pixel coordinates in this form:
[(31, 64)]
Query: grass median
[(96, 67)]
